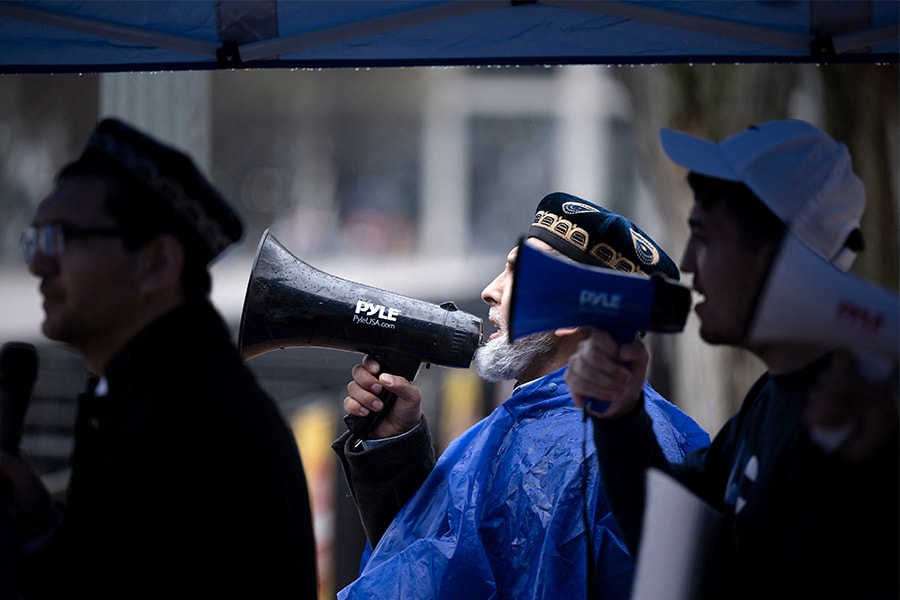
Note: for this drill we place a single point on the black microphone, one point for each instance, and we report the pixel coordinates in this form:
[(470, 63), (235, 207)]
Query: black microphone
[(18, 372)]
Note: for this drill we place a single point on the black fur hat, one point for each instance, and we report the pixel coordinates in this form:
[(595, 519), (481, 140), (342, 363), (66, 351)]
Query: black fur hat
[(172, 177)]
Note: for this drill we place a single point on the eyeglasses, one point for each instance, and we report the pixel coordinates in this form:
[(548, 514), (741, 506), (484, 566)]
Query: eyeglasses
[(51, 238)]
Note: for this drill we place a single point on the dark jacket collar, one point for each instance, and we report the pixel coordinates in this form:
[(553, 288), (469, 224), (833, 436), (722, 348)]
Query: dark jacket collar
[(188, 330)]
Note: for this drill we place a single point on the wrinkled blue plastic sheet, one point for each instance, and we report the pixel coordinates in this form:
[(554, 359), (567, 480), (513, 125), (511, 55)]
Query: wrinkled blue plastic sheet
[(503, 513)]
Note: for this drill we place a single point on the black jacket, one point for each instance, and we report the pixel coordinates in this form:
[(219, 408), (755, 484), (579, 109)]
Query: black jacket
[(383, 478), (798, 522), (186, 480)]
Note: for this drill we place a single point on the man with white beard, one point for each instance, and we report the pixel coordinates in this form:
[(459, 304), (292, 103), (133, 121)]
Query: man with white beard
[(498, 360), (513, 508)]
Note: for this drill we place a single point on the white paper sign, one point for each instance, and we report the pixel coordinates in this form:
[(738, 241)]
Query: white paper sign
[(678, 535)]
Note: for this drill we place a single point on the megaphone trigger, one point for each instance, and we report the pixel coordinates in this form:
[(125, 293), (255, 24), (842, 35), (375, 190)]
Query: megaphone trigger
[(620, 336), (399, 364)]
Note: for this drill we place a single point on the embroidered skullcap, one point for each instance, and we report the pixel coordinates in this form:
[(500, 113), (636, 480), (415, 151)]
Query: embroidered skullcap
[(593, 235)]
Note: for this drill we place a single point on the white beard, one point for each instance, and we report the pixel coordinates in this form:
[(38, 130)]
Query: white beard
[(498, 360)]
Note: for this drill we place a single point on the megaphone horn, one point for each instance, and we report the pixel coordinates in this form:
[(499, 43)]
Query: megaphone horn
[(291, 304)]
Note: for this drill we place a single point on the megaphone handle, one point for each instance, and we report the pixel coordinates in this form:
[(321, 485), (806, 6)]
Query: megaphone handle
[(361, 426), (402, 365), (596, 405)]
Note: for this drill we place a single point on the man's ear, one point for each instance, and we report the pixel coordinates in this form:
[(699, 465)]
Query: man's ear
[(161, 263)]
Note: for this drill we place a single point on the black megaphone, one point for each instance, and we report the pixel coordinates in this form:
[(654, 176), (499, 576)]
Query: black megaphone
[(291, 304)]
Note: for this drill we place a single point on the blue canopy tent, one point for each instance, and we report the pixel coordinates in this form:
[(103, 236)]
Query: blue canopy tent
[(44, 36), (98, 36)]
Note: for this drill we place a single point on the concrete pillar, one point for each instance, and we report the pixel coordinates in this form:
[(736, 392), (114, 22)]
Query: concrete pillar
[(445, 174), (172, 106)]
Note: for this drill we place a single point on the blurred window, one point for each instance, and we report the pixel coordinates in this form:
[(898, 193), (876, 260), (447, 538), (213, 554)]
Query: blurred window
[(509, 166)]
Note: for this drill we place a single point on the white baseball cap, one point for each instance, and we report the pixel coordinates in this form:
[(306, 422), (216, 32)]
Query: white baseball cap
[(803, 175)]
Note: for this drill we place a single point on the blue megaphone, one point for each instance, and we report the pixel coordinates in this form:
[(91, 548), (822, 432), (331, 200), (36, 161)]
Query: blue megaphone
[(550, 292)]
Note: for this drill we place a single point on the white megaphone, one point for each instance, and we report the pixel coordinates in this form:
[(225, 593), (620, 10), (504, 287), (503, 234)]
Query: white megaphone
[(805, 299)]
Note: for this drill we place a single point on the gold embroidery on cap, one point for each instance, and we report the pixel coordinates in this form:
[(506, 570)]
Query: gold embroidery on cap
[(573, 208), (613, 259), (646, 250), (563, 228)]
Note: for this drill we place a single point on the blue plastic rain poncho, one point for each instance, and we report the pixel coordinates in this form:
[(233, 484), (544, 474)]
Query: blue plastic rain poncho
[(503, 513)]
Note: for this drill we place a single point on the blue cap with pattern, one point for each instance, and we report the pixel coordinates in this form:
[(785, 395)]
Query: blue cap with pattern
[(593, 235)]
